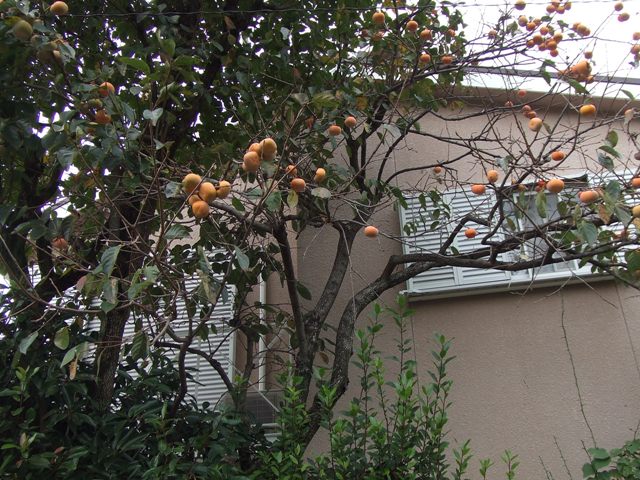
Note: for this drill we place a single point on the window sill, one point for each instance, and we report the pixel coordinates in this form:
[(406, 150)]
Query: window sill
[(549, 280)]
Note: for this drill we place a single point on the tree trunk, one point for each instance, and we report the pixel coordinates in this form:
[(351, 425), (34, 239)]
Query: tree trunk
[(108, 355)]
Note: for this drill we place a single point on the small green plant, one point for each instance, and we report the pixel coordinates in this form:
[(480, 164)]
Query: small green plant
[(619, 463)]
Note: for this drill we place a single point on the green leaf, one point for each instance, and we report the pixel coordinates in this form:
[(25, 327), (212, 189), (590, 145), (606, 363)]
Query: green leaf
[(208, 288), (153, 115), (321, 192), (173, 190), (633, 260), (237, 204), (169, 46), (108, 260), (203, 261), (623, 215), (177, 231), (606, 161), (61, 340), (628, 94), (26, 342), (70, 355), (505, 161), (150, 273), (613, 190), (598, 453), (303, 291), (393, 130), (242, 258), (578, 87), (274, 201), (612, 138), (136, 63), (292, 199), (324, 100), (541, 203), (140, 347), (588, 232), (301, 98), (610, 150)]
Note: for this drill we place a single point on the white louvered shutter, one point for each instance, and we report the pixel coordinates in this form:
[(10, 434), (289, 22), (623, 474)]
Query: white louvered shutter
[(425, 240), (207, 385), (463, 204)]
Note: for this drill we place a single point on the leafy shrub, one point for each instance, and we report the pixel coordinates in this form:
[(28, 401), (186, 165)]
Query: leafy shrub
[(391, 430), (50, 425), (619, 463)]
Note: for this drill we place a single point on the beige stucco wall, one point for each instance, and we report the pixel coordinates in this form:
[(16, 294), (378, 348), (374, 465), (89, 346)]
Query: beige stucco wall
[(515, 385)]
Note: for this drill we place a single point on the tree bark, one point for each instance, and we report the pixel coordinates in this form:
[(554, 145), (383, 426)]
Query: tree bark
[(108, 355)]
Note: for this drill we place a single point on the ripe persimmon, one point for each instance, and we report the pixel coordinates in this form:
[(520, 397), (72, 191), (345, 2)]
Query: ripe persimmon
[(106, 88), (102, 117), (200, 209), (59, 8), (378, 18), (555, 185), (558, 155), (588, 196), (470, 232), (60, 243), (320, 175), (478, 189), (588, 110), (269, 149), (191, 182), (255, 147), (492, 176), (224, 189), (335, 130), (350, 122), (251, 161), (370, 231), (291, 170), (207, 191), (535, 124), (426, 34), (298, 184)]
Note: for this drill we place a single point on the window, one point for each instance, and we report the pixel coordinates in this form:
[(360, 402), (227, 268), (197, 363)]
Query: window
[(206, 385), (427, 223)]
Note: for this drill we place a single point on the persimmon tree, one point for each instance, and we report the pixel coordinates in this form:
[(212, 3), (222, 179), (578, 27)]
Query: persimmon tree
[(145, 143)]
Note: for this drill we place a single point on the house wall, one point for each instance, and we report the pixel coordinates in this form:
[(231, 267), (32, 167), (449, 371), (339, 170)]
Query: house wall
[(531, 365)]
